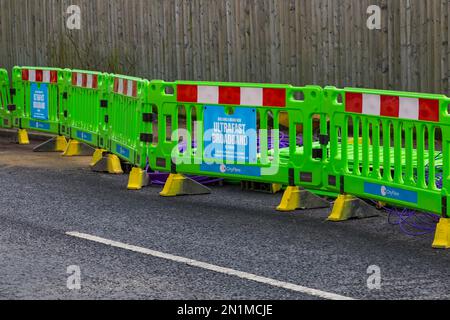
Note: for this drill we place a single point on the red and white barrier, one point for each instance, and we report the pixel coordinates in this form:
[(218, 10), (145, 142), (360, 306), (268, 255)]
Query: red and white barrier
[(125, 87), (392, 106), (241, 96), (43, 76), (84, 80)]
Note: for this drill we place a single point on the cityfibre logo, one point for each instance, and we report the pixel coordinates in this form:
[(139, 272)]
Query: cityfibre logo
[(225, 169), (386, 192)]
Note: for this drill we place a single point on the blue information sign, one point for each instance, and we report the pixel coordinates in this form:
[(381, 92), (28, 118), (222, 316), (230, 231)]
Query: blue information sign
[(230, 137), (39, 101)]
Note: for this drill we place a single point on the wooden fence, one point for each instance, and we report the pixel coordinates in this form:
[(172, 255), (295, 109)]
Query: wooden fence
[(324, 42)]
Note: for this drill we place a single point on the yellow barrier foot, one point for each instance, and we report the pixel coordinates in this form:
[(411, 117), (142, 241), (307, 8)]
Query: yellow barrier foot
[(138, 179), (76, 148), (22, 137), (381, 205), (295, 198), (348, 207), (97, 156), (56, 144), (276, 188), (179, 185), (108, 163), (442, 235)]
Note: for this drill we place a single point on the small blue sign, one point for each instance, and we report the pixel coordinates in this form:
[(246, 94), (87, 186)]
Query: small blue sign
[(84, 136), (391, 193), (230, 137), (39, 101), (231, 169), (123, 151), (39, 125)]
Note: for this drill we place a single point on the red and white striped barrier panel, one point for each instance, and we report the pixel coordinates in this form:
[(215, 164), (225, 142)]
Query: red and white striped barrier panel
[(242, 96), (392, 106), (84, 80), (44, 76), (125, 87)]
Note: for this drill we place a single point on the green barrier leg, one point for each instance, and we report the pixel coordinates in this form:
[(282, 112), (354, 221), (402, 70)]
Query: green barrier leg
[(349, 207), (295, 198), (179, 185), (138, 179), (56, 144), (442, 235)]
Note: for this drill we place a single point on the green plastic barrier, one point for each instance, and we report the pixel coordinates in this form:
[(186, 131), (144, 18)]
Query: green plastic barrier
[(37, 98), (194, 117), (129, 122), (400, 140), (84, 107), (6, 106)]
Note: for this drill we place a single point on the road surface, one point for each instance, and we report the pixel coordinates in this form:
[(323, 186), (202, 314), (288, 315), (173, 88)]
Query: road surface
[(56, 213)]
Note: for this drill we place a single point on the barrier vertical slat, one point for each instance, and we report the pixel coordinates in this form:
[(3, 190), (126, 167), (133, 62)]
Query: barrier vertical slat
[(386, 130), (376, 153), (356, 146), (431, 159), (420, 137), (409, 148), (398, 169)]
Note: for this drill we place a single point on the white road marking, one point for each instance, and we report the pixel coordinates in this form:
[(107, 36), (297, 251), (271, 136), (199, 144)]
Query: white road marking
[(211, 267)]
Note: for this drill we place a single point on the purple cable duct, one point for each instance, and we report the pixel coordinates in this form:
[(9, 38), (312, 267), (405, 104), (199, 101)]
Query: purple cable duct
[(411, 222)]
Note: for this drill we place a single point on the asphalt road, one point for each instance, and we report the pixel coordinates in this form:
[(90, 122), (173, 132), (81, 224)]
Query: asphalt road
[(44, 196)]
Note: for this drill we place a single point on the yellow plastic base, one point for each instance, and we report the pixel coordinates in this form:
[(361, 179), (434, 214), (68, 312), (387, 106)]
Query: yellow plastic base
[(113, 164), (106, 162), (97, 156), (22, 137), (73, 149), (442, 236), (173, 185), (276, 187), (340, 208), (348, 207), (60, 144), (137, 179), (290, 200), (179, 185), (296, 198), (76, 148), (55, 144)]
